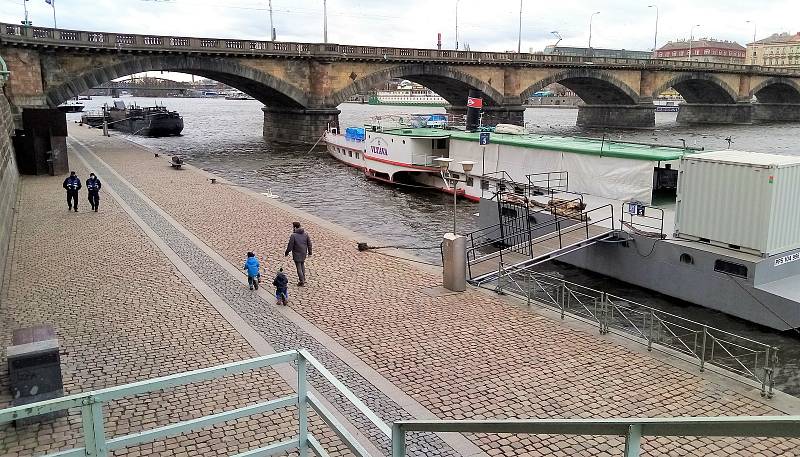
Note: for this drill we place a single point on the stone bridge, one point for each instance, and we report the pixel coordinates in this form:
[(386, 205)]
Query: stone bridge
[(301, 84)]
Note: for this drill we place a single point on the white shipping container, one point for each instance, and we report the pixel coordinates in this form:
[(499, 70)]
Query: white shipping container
[(740, 199)]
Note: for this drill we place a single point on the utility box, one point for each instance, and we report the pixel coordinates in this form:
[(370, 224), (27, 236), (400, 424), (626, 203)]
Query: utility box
[(454, 262), (34, 369), (741, 200)]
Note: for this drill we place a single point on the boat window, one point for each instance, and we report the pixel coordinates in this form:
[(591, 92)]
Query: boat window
[(455, 175), (686, 258), (734, 269), (350, 153), (356, 155), (470, 182), (484, 184), (441, 143)]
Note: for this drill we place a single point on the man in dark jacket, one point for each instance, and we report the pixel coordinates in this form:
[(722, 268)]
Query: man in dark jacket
[(72, 185), (299, 246), (93, 185)]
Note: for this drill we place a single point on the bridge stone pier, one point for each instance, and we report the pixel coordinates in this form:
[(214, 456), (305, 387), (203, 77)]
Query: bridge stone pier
[(302, 84)]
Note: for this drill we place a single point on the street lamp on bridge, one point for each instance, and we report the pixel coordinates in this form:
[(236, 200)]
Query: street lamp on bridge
[(753, 57), (655, 38), (456, 25), (691, 41), (591, 18)]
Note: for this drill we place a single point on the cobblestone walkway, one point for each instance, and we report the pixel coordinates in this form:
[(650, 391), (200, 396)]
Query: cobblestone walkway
[(461, 356), (467, 356)]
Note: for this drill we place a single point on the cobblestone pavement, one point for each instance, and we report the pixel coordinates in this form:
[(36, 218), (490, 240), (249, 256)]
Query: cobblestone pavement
[(120, 311), (461, 356), (279, 331)]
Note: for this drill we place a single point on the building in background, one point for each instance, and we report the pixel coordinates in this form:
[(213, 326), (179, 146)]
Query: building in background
[(778, 50), (597, 52), (703, 50)]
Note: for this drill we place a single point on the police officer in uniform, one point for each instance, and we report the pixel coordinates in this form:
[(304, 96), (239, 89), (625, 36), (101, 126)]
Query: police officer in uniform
[(72, 184), (93, 185)]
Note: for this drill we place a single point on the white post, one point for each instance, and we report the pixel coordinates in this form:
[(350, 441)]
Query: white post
[(519, 36), (271, 26), (456, 25), (53, 4), (302, 404), (325, 13)]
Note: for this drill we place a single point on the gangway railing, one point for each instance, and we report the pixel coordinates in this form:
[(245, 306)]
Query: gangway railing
[(558, 237), (550, 181), (703, 344), (642, 219), (633, 430), (96, 443)]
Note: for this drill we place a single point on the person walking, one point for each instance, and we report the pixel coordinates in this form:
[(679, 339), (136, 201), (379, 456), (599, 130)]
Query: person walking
[(93, 186), (281, 283), (72, 185), (253, 270), (300, 247)]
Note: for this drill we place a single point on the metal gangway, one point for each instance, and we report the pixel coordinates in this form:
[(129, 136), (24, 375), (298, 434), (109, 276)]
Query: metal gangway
[(529, 232)]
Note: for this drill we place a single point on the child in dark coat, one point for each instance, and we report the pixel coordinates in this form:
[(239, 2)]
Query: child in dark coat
[(281, 284)]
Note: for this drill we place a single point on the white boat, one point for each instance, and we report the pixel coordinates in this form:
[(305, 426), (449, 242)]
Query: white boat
[(667, 105), (626, 193)]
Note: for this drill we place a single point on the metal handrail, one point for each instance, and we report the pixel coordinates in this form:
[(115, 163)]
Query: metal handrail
[(733, 353), (93, 426), (633, 429)]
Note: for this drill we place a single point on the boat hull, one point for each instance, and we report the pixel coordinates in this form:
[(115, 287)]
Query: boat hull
[(70, 108), (155, 126)]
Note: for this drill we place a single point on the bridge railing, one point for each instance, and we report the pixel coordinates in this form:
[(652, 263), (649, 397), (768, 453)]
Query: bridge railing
[(13, 33)]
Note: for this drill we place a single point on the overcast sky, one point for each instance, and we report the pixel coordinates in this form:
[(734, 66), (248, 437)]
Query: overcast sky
[(483, 24)]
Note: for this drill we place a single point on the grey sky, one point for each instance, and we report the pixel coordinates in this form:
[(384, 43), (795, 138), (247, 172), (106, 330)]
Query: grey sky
[(489, 25)]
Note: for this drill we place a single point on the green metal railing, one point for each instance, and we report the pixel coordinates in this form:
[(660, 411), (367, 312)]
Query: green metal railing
[(96, 443), (705, 345), (632, 429)]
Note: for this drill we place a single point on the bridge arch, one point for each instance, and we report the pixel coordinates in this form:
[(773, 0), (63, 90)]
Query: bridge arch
[(699, 88), (777, 90), (594, 87), (266, 88), (451, 84)]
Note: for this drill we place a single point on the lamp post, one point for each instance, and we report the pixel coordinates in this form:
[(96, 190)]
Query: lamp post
[(753, 57), (25, 6), (655, 38), (456, 25), (271, 27), (325, 23), (591, 18), (519, 36), (691, 40), (452, 182)]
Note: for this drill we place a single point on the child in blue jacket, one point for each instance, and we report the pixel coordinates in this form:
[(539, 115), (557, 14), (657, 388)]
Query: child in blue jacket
[(252, 267)]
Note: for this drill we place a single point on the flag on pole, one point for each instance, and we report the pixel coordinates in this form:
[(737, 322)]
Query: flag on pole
[(49, 2)]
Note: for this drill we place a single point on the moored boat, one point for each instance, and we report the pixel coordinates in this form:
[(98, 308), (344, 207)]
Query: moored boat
[(154, 121), (71, 106), (627, 192)]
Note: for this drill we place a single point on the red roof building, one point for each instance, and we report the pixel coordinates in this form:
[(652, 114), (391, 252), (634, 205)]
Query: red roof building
[(703, 50)]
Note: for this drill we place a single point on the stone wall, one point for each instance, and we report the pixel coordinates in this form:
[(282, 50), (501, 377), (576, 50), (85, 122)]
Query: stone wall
[(9, 178)]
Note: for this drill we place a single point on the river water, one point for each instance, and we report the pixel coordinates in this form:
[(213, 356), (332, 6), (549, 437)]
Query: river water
[(225, 137)]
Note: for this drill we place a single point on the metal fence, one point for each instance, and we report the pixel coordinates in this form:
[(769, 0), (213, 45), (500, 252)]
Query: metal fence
[(705, 345), (632, 429), (96, 443)]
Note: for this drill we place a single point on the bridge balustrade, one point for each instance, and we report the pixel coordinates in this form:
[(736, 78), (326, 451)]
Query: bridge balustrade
[(153, 41), (96, 37), (18, 33), (127, 40)]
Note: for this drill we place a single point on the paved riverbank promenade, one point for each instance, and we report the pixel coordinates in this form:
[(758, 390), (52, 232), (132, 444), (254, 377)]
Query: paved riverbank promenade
[(152, 285)]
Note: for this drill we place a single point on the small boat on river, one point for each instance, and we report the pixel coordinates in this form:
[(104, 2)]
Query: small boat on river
[(71, 106), (156, 121)]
